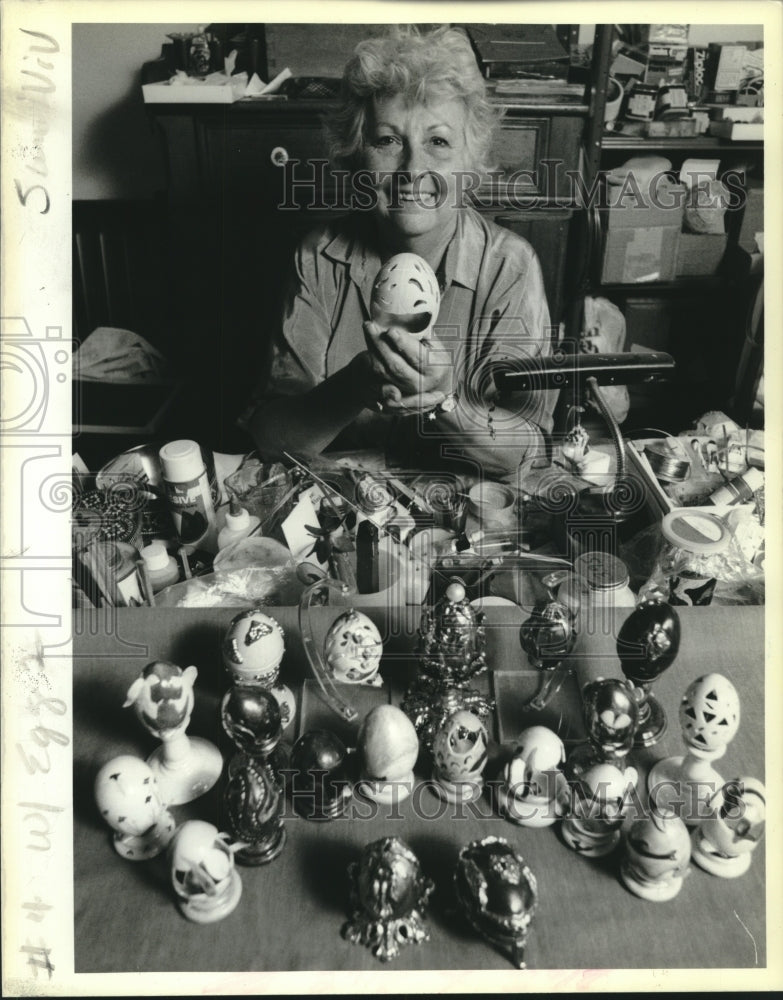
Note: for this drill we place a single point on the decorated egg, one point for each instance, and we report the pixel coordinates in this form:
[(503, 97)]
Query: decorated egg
[(203, 873), (737, 817), (709, 713), (538, 750), (658, 847), (549, 634), (253, 809), (162, 697), (388, 744), (600, 794), (251, 718), (353, 648), (460, 747), (127, 796), (611, 713), (648, 641), (406, 294), (321, 780), (498, 894), (253, 648)]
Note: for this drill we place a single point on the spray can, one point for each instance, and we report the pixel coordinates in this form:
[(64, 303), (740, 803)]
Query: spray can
[(188, 495)]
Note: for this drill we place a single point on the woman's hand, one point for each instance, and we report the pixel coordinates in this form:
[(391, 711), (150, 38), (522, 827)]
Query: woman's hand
[(417, 372)]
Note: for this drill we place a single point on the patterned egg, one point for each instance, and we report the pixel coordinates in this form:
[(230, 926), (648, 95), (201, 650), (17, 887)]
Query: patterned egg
[(610, 712), (388, 743), (353, 648), (406, 294), (737, 817), (460, 747), (127, 796), (253, 647), (710, 713), (658, 846), (538, 750)]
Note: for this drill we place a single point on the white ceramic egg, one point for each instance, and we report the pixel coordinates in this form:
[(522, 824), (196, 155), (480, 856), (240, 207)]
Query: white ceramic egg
[(353, 649), (710, 713), (388, 744), (406, 294), (253, 648), (128, 799), (460, 747)]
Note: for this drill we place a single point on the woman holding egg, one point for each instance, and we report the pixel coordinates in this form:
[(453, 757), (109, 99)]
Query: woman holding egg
[(349, 369)]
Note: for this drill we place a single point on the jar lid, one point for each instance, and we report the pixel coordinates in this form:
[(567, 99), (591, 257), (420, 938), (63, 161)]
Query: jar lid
[(155, 555), (601, 570), (695, 530), (181, 461)]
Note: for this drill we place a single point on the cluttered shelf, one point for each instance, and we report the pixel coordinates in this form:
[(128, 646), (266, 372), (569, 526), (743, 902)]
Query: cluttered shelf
[(612, 141)]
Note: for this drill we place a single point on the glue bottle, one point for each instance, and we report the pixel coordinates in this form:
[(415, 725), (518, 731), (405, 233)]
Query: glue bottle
[(162, 569), (188, 495), (239, 524)]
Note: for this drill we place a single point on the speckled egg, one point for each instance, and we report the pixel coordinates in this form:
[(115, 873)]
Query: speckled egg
[(710, 713), (388, 744), (127, 795), (460, 747), (406, 294), (253, 647), (353, 649)]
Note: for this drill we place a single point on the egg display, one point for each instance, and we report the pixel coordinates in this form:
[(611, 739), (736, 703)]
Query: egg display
[(597, 810), (128, 799), (203, 873), (726, 839), (389, 747), (253, 648), (353, 648), (532, 779), (657, 853), (459, 751), (406, 294), (710, 713)]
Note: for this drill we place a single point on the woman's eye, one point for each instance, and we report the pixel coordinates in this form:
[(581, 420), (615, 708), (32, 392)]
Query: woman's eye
[(439, 140), (384, 141)]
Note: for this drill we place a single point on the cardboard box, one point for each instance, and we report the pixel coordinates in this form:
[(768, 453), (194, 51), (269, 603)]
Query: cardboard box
[(738, 131), (190, 93), (700, 254), (640, 243)]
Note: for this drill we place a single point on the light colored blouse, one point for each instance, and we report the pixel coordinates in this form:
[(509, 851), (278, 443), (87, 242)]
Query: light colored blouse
[(493, 307)]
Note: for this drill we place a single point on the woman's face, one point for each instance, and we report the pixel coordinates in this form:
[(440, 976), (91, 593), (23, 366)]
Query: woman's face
[(417, 151)]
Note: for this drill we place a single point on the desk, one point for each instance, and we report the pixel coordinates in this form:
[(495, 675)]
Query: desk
[(291, 911)]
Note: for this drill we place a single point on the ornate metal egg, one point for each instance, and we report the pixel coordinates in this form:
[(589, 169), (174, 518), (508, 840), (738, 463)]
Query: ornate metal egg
[(460, 747), (253, 806), (710, 713), (253, 647), (251, 717), (549, 634), (406, 294), (611, 713), (648, 641), (498, 893), (353, 648), (321, 781)]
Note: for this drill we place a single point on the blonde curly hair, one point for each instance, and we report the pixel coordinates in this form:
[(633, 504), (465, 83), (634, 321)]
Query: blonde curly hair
[(422, 66)]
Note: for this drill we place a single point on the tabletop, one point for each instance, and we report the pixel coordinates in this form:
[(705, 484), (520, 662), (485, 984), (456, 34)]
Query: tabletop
[(292, 910)]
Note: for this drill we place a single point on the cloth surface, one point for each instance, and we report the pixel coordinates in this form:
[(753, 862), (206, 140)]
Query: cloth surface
[(493, 306), (291, 910)]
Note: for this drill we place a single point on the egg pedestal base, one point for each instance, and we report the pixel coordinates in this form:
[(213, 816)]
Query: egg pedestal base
[(386, 792), (658, 892), (685, 785), (147, 845), (534, 811), (186, 767), (457, 791), (209, 909), (705, 855), (588, 843)]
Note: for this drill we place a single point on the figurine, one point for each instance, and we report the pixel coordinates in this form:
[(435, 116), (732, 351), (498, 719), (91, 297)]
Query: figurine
[(611, 716), (451, 652), (657, 852), (498, 894), (162, 698), (532, 780), (647, 645), (709, 717), (127, 796), (389, 746), (320, 785), (597, 809), (725, 840), (203, 872), (459, 751), (353, 648), (251, 718), (254, 807), (389, 896), (253, 649), (548, 636)]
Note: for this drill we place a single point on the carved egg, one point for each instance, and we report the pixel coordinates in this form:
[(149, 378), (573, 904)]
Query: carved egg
[(353, 648), (460, 747), (253, 647), (538, 750), (406, 294), (388, 744), (127, 795), (710, 713)]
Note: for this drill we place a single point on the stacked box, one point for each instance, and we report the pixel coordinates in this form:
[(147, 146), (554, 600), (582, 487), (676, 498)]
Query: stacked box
[(641, 241)]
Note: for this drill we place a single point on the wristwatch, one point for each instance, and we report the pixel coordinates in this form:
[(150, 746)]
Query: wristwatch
[(448, 405)]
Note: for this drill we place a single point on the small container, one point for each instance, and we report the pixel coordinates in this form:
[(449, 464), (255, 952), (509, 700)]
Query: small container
[(188, 495), (641, 102), (162, 569), (493, 505), (739, 490), (239, 524), (685, 568), (671, 101), (121, 568), (607, 580)]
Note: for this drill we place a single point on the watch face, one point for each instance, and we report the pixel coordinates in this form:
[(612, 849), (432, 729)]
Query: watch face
[(448, 404)]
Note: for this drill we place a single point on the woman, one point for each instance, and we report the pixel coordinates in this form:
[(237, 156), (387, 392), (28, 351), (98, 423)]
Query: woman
[(416, 122)]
